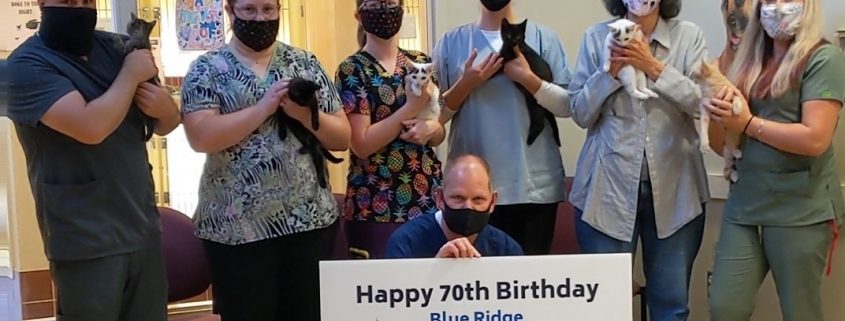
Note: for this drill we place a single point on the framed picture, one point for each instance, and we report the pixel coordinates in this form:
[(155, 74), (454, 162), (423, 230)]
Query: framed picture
[(199, 24), (841, 35)]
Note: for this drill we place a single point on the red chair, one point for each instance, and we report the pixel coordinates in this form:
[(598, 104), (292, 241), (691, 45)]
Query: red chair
[(185, 261)]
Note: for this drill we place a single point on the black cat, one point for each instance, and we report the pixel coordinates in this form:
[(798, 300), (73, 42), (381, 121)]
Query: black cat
[(304, 93), (514, 35), (139, 38)]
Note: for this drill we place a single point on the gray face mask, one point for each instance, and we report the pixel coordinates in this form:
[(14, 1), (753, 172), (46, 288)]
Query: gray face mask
[(781, 21)]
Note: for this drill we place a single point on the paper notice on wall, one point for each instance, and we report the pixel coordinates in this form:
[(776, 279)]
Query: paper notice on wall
[(199, 24), (18, 21)]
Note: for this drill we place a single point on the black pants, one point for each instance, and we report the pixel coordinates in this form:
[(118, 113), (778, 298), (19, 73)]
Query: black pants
[(128, 287), (530, 225), (271, 280)]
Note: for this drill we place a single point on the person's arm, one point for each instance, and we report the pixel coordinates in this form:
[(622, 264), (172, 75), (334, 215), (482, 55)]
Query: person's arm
[(334, 133), (823, 94), (367, 137), (156, 102), (554, 95), (472, 77), (40, 94), (670, 83), (207, 129), (591, 86)]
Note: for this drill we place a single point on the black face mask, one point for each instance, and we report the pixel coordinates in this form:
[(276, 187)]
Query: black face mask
[(495, 5), (257, 35), (465, 221), (68, 29), (383, 22)]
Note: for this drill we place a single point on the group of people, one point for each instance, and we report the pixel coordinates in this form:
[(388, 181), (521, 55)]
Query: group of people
[(82, 109)]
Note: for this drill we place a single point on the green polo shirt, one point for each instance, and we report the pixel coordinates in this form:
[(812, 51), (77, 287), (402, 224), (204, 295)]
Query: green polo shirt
[(777, 188)]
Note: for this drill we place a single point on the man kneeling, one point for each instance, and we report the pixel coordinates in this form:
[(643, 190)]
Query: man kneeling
[(459, 229)]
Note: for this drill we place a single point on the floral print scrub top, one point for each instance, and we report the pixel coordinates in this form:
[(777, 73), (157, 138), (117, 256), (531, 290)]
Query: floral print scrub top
[(262, 187), (394, 184)]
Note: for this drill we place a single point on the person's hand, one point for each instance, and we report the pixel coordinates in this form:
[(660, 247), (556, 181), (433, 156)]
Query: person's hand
[(518, 69), (272, 99), (139, 65), (420, 131), (730, 109), (155, 101), (475, 75), (615, 65), (414, 102), (458, 248), (638, 54)]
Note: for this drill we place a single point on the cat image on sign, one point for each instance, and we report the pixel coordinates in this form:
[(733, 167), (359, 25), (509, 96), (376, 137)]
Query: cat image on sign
[(139, 38), (622, 32), (419, 76), (304, 93), (513, 36), (711, 82)]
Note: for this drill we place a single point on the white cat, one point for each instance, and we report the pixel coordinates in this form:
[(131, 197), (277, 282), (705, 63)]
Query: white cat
[(419, 75), (621, 33)]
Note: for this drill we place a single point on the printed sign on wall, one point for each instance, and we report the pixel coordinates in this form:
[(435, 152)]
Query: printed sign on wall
[(18, 21), (528, 288), (199, 24)]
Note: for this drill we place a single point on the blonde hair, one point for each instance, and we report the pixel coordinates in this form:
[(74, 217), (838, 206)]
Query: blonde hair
[(757, 47)]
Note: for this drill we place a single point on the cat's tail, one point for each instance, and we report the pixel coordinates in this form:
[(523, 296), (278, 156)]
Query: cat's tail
[(703, 129)]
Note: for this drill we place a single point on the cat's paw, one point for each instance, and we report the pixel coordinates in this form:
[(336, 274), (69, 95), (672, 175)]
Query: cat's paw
[(639, 95), (733, 176), (737, 153), (704, 147), (606, 67), (650, 93)]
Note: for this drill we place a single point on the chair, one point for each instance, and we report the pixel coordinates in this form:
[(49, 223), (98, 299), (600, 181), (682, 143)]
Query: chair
[(185, 261)]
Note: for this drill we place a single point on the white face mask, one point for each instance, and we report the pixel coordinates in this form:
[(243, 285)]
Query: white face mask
[(781, 21), (641, 7)]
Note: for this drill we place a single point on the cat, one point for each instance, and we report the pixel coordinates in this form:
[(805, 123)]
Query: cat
[(139, 31), (513, 35), (304, 93), (419, 76), (711, 82), (622, 32)]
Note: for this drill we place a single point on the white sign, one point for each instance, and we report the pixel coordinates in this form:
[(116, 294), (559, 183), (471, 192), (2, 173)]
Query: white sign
[(526, 288)]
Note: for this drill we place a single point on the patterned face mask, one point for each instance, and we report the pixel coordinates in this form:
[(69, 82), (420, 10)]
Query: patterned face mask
[(257, 35), (383, 21), (781, 21), (641, 8)]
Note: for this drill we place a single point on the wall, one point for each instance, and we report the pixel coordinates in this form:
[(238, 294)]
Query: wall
[(570, 18)]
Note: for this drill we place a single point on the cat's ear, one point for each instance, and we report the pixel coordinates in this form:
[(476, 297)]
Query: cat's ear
[(505, 23), (409, 65), (523, 23), (429, 68), (133, 16), (153, 24)]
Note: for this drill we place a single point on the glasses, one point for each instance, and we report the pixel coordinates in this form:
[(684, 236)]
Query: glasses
[(250, 13), (378, 4)]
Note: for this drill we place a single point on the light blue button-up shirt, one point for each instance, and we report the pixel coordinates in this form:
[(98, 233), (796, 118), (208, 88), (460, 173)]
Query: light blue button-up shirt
[(623, 132), (493, 121)]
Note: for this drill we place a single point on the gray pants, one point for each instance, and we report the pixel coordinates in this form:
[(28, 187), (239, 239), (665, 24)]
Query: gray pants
[(744, 255), (128, 287)]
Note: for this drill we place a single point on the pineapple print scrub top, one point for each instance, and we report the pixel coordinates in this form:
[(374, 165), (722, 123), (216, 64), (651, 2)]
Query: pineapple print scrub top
[(262, 187), (395, 183)]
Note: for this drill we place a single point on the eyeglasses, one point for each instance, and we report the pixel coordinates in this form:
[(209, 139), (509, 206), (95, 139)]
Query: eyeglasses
[(378, 4), (250, 13)]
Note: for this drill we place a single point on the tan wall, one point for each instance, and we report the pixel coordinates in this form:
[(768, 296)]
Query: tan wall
[(27, 248)]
